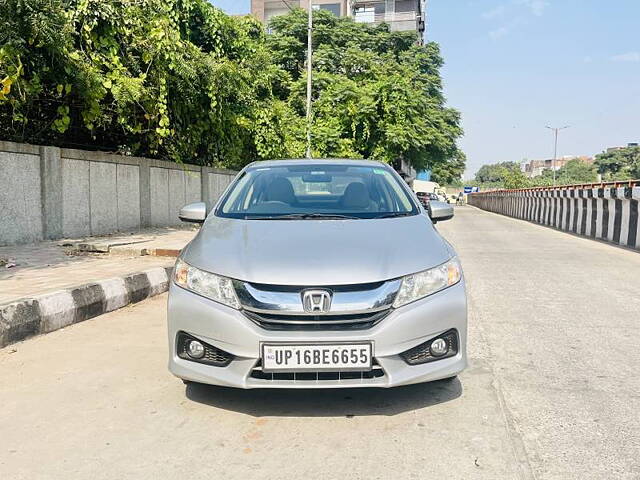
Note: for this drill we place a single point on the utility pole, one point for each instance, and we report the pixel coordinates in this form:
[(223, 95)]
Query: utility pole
[(309, 80), (555, 131)]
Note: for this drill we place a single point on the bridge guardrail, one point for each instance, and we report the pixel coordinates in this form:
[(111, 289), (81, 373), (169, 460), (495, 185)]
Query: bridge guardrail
[(606, 211)]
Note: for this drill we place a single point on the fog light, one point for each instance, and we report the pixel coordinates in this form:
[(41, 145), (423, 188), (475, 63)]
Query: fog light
[(439, 347), (195, 349)]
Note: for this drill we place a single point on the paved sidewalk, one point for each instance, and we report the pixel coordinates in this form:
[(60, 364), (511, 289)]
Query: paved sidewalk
[(161, 242), (54, 265), (50, 285)]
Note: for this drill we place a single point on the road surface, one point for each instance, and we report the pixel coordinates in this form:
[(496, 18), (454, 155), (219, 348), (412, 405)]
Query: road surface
[(553, 391)]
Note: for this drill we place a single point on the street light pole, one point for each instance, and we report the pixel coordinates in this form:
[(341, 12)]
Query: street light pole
[(555, 149), (309, 80)]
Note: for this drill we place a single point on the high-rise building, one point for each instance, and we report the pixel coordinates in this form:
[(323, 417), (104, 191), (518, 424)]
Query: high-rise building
[(401, 15), (265, 10)]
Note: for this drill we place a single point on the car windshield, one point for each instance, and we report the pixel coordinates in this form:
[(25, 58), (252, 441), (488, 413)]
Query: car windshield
[(332, 191)]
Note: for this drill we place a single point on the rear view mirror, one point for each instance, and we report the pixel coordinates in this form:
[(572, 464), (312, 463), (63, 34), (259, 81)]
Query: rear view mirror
[(440, 211), (317, 178), (193, 213)]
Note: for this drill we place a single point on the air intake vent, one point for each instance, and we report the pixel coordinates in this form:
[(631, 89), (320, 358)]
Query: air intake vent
[(375, 372)]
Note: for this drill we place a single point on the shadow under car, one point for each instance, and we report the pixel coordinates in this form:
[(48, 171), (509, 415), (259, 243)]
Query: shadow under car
[(326, 402)]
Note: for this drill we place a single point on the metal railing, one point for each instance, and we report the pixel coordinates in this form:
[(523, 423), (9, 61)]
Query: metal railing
[(615, 184)]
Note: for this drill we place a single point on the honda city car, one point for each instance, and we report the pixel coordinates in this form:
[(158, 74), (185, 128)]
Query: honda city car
[(317, 274)]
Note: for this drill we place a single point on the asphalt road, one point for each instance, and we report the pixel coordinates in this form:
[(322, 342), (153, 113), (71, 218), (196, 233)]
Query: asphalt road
[(553, 391)]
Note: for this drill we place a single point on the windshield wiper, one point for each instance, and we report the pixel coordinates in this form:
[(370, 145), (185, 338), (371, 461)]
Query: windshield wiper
[(396, 214), (305, 216)]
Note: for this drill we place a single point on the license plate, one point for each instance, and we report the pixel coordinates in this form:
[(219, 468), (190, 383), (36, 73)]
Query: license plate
[(297, 358)]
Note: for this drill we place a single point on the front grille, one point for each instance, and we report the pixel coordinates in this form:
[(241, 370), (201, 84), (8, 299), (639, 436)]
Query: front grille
[(356, 287), (275, 321), (212, 355), (352, 307), (375, 372)]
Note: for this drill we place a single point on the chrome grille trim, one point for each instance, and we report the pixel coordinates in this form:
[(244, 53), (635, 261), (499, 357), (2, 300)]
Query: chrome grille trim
[(274, 321), (346, 299)]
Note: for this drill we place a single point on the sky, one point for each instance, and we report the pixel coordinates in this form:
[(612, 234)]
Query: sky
[(514, 66)]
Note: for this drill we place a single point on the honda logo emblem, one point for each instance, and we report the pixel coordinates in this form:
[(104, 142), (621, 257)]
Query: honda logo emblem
[(316, 301)]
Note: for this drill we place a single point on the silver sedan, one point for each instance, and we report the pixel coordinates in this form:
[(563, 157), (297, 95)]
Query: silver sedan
[(317, 274)]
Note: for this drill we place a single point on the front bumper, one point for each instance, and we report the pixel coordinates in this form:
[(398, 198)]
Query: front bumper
[(405, 328)]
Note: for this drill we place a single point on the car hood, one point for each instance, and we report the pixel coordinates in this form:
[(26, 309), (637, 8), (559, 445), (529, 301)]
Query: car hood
[(317, 252)]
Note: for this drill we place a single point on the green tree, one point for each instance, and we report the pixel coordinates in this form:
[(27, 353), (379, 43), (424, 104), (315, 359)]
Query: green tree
[(514, 178), (496, 172), (450, 172), (377, 94), (175, 79), (180, 80), (622, 164), (573, 172)]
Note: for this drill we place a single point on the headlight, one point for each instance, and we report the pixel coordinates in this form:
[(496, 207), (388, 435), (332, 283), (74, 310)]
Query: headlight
[(419, 285), (219, 289)]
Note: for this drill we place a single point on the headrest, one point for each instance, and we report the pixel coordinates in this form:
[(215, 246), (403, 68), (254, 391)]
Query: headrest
[(281, 190), (356, 195)]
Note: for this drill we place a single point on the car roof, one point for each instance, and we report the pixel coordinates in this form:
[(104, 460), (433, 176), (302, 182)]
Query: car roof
[(316, 161)]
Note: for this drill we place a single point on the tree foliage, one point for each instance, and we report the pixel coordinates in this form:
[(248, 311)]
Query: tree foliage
[(622, 164), (377, 94), (450, 172), (515, 179), (509, 175), (571, 173), (174, 79), (180, 80), (495, 172)]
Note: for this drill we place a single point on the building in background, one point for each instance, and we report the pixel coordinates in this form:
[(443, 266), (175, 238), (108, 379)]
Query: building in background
[(401, 15), (629, 145), (406, 171), (534, 168), (265, 10)]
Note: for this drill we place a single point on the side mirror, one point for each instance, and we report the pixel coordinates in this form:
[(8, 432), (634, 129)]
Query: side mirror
[(440, 211), (193, 213)]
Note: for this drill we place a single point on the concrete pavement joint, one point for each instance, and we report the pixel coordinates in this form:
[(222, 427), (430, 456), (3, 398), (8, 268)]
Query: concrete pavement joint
[(125, 249), (515, 437), (27, 317)]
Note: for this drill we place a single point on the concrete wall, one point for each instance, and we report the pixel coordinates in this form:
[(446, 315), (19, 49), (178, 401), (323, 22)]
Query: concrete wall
[(50, 193), (609, 214), (20, 201)]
